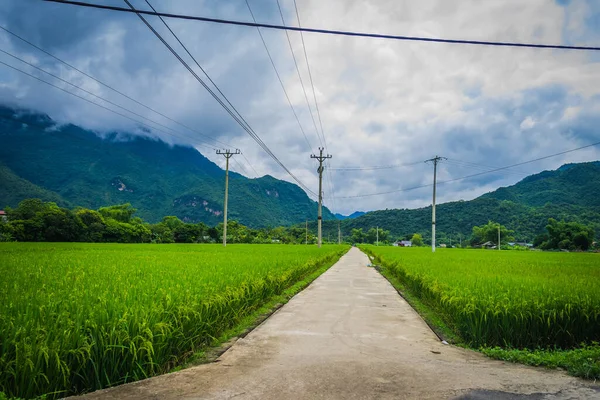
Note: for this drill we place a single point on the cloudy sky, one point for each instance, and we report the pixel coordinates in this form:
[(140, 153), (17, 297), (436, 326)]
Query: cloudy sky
[(381, 102)]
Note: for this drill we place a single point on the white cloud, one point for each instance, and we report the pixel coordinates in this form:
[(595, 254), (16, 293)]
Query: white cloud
[(527, 123), (381, 102)]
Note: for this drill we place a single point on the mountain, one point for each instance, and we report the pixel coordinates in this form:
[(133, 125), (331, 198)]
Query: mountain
[(572, 193), (355, 214), (75, 167)]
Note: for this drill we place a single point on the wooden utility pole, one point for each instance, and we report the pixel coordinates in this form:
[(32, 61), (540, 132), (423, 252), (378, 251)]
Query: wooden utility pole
[(227, 154), (320, 170), (377, 236), (339, 233), (435, 161), (306, 233)]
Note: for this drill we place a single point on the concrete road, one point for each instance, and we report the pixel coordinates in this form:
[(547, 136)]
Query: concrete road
[(349, 335)]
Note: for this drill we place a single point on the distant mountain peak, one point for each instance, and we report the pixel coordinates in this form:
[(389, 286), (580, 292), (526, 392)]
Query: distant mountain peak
[(355, 214)]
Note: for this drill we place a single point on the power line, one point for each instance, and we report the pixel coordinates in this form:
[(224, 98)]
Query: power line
[(478, 167), (327, 163), (87, 100), (193, 59), (100, 98), (251, 166), (472, 164), (331, 32), (110, 87), (279, 78), (472, 175), (239, 119), (310, 76), (375, 167), (524, 162), (299, 75)]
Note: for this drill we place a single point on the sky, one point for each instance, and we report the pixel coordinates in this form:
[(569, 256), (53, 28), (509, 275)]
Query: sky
[(380, 102)]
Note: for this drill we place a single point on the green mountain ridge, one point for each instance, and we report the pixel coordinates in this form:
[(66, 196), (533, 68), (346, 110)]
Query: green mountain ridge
[(570, 193), (75, 167)]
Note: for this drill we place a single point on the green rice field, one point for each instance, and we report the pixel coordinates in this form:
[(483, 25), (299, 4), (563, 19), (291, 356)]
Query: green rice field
[(79, 317), (512, 299)]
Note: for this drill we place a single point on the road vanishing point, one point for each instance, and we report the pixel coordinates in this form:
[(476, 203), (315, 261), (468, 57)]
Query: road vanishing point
[(349, 335)]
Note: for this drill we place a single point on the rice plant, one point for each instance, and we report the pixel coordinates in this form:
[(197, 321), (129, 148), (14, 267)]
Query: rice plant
[(80, 317), (505, 298)]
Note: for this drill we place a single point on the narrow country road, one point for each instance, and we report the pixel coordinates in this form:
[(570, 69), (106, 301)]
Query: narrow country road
[(349, 335)]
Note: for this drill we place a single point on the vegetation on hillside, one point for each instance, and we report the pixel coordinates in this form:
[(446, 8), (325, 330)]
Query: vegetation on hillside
[(73, 166), (568, 194), (566, 235)]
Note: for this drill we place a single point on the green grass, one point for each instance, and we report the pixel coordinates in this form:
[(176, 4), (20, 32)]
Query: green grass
[(583, 362), (80, 317), (529, 306)]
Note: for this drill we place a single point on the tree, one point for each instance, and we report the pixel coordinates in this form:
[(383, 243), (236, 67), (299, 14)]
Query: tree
[(188, 233), (121, 212), (94, 225), (417, 240), (568, 235), (371, 236), (489, 233), (161, 233), (27, 209), (358, 236), (34, 221), (172, 222)]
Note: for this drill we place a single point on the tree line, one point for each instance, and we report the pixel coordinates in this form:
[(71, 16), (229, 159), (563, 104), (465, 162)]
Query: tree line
[(34, 220)]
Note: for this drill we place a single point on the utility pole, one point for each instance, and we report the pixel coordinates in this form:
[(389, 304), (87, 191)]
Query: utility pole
[(339, 233), (320, 158), (435, 161), (306, 242), (227, 154), (460, 239), (377, 236), (498, 236)]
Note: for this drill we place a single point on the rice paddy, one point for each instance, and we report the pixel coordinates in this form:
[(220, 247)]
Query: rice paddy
[(513, 299), (80, 317)]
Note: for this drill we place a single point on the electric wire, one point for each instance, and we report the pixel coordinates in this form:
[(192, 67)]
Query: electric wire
[(245, 126), (196, 62), (195, 140), (279, 78), (478, 167), (468, 163), (328, 179), (93, 102), (329, 31), (251, 166), (310, 76), (110, 87), (375, 167), (299, 75), (473, 175)]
